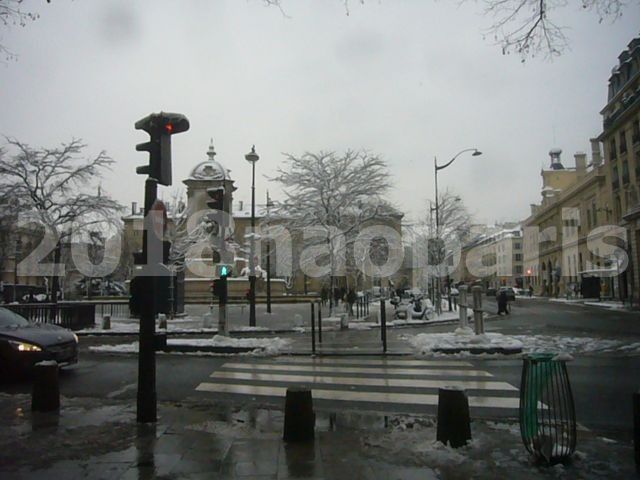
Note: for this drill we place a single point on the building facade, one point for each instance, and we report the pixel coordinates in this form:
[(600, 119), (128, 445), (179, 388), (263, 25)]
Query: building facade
[(621, 140)]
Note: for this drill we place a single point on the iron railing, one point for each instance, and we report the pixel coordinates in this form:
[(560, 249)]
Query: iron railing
[(74, 316)]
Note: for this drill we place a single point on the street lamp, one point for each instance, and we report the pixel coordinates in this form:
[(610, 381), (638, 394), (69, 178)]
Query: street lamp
[(269, 204), (437, 167), (252, 157), (17, 253)]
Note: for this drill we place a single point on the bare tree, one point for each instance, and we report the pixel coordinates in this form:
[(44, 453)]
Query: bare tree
[(13, 14), (329, 197), (438, 241), (528, 27), (56, 190)]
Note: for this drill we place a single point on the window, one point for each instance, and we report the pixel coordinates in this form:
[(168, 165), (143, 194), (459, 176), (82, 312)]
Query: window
[(518, 257), (517, 245), (635, 136), (594, 212), (613, 153), (615, 180), (625, 172), (623, 142)]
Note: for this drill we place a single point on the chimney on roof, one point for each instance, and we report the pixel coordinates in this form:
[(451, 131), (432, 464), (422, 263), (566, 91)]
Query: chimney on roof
[(556, 164), (596, 156), (581, 163), (134, 207)]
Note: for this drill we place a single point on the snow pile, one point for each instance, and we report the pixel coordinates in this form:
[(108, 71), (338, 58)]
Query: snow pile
[(577, 345), (462, 338), (261, 346), (268, 346), (495, 451), (123, 348)]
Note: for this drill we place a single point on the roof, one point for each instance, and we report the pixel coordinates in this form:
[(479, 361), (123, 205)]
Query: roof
[(210, 169)]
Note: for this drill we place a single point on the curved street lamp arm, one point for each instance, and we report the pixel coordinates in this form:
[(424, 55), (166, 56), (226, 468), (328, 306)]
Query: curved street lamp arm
[(440, 167)]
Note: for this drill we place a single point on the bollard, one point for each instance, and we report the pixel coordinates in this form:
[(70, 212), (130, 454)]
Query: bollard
[(454, 424), (106, 322), (478, 321), (45, 395), (383, 325), (464, 321), (160, 341), (319, 324), (636, 428), (299, 418), (313, 327), (162, 321)]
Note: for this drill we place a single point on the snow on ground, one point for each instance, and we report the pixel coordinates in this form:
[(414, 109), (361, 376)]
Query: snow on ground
[(271, 346), (495, 451), (262, 346), (425, 343)]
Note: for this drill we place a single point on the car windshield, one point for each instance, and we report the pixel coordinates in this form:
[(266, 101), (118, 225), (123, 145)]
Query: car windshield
[(11, 319)]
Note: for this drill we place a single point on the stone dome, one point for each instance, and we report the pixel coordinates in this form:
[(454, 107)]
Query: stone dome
[(209, 169)]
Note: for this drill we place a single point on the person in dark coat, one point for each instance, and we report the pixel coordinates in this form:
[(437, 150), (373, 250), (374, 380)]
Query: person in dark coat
[(324, 295), (503, 303), (351, 299)]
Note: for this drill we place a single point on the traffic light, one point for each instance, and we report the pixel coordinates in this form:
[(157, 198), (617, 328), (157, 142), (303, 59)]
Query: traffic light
[(160, 127), (219, 289), (216, 195)]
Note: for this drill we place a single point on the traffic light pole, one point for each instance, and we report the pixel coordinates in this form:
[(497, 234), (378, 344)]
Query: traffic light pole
[(147, 406)]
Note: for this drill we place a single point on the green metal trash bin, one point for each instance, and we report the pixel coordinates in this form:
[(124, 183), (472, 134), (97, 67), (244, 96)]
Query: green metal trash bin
[(547, 411)]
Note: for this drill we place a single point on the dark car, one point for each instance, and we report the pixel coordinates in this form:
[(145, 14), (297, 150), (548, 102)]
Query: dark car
[(24, 343)]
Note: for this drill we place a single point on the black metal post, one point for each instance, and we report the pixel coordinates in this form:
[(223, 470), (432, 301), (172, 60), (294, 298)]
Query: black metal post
[(252, 273), (636, 428), (319, 324), (313, 328), (147, 406), (268, 261), (383, 325)]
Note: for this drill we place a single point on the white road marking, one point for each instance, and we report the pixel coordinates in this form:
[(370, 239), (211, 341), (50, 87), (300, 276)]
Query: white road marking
[(375, 361), (352, 396), (379, 370), (363, 381)]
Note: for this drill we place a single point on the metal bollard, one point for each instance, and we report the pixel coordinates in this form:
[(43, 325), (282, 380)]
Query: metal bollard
[(477, 310), (383, 325), (454, 424), (106, 322), (313, 327), (636, 428), (162, 321), (464, 321), (45, 395), (319, 324)]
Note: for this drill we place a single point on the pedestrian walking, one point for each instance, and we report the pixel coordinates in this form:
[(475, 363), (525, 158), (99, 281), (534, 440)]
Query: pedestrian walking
[(503, 303), (351, 299)]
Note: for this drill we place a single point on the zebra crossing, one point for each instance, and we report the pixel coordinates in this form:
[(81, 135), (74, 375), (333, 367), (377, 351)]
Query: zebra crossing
[(396, 385)]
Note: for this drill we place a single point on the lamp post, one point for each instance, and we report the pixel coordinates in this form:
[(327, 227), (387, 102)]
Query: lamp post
[(18, 248), (252, 157), (269, 204), (437, 167)]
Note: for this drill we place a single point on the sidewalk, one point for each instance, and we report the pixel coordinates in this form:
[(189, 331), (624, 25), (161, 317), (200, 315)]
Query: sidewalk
[(100, 439)]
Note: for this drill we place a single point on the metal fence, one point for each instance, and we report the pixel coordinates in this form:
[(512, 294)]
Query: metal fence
[(74, 316)]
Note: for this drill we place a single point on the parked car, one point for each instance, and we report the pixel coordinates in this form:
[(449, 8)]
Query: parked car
[(491, 292), (24, 343), (511, 294)]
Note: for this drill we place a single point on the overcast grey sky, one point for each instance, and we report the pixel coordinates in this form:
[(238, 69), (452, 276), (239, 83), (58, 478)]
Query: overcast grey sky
[(408, 80)]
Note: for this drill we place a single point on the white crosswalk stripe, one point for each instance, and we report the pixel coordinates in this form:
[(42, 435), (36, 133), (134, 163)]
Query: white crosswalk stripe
[(388, 382)]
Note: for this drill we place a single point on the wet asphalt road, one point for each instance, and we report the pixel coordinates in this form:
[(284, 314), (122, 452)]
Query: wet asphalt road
[(602, 385)]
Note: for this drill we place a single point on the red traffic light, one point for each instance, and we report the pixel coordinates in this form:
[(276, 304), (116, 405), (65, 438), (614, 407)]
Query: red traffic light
[(168, 127)]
